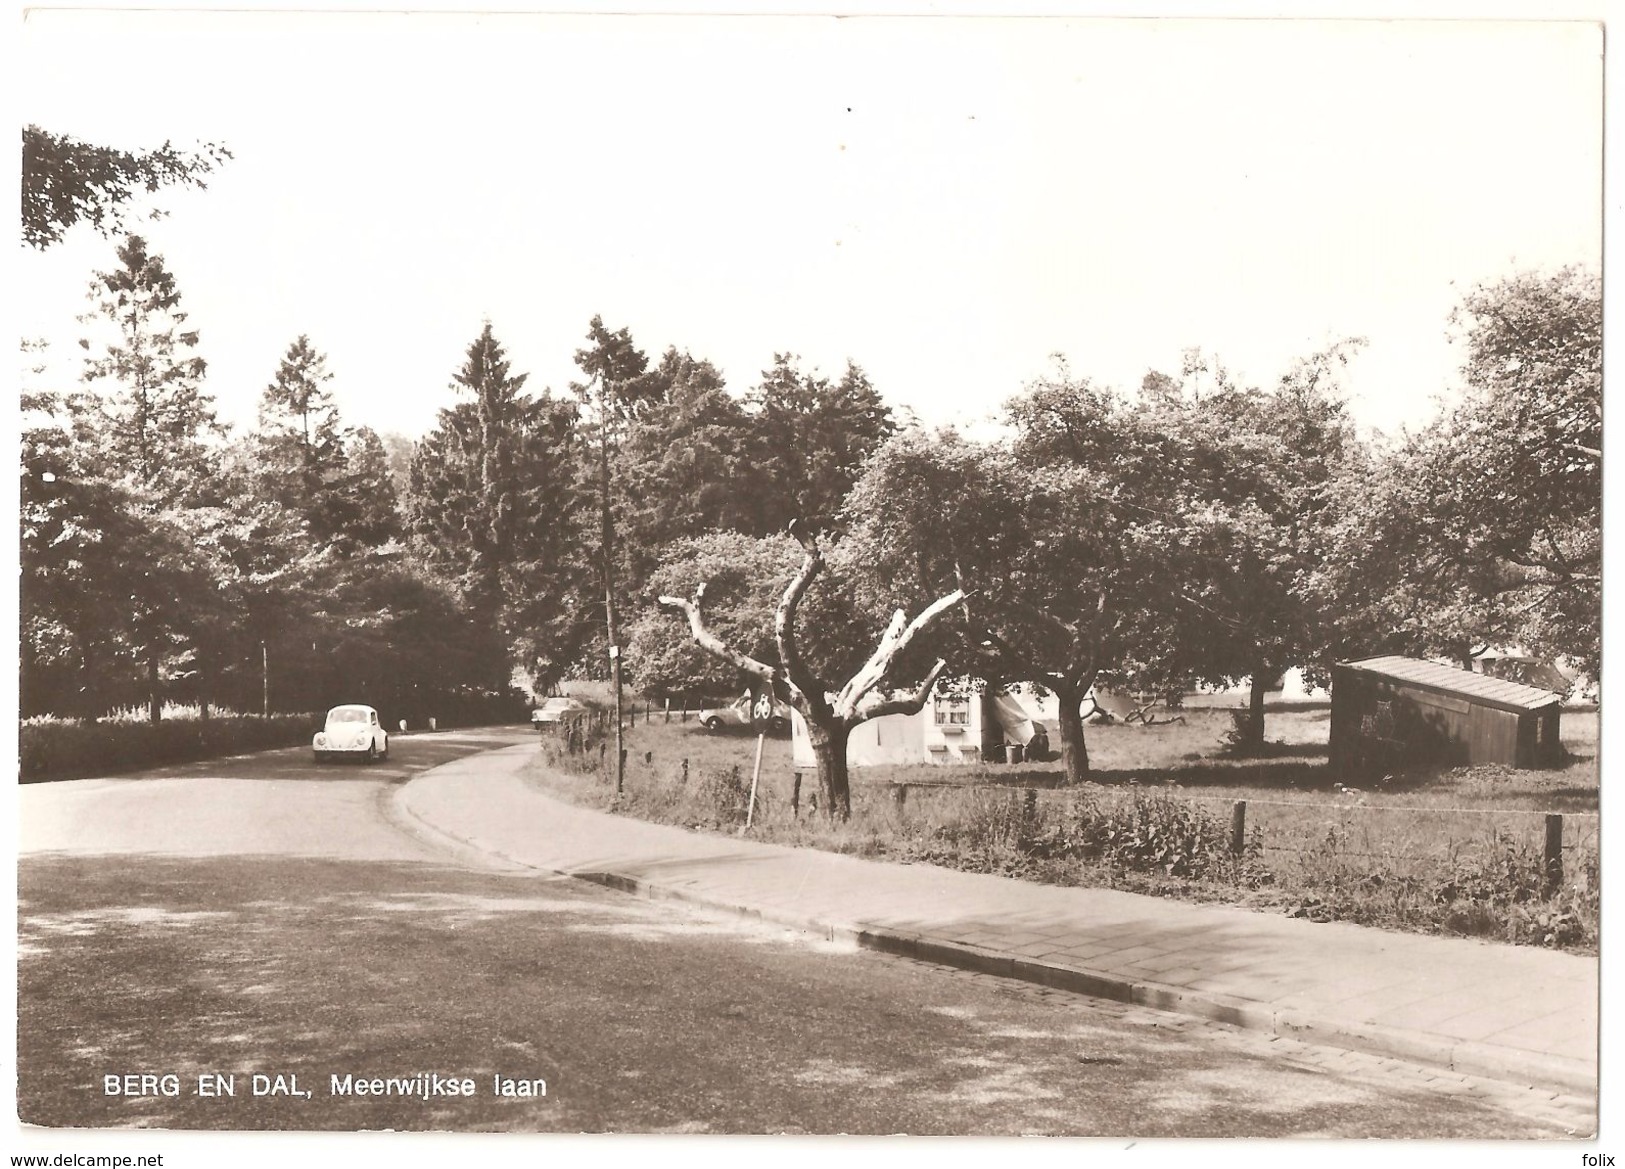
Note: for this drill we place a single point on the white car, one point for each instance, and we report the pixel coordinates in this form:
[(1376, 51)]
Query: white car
[(739, 712), (351, 732), (556, 711)]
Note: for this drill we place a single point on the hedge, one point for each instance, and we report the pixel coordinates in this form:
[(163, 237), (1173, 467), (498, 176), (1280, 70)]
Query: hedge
[(61, 749)]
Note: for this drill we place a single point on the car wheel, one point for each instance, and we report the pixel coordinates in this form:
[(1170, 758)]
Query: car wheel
[(372, 751), (713, 723), (385, 755)]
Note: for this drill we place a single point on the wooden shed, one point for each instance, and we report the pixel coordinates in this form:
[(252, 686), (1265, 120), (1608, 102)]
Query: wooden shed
[(1391, 713)]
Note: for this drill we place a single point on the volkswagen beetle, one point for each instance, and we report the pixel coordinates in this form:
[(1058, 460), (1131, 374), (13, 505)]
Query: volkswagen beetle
[(351, 732)]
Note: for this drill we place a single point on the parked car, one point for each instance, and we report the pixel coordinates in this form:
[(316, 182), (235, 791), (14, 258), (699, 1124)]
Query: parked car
[(555, 711), (738, 714), (351, 732)]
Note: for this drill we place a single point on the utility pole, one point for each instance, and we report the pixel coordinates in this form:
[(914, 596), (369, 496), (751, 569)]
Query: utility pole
[(265, 681), (607, 538)]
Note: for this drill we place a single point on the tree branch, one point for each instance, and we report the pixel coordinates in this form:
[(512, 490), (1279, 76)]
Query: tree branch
[(713, 644), (904, 704), (893, 642), (784, 622)]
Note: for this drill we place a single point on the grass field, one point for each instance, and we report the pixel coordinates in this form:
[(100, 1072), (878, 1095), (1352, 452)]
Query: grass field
[(1457, 850)]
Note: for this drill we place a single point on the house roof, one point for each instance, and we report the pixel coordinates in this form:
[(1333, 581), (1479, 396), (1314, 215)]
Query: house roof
[(1480, 688)]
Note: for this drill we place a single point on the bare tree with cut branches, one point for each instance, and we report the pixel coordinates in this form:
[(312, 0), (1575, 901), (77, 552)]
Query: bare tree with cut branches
[(831, 712)]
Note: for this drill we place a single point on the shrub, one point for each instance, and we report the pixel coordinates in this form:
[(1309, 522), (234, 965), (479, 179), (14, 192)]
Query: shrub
[(1152, 833)]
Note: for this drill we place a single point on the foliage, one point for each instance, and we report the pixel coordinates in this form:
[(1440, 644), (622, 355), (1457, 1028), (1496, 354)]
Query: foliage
[(814, 437), (157, 420), (1484, 529), (66, 181), (60, 749), (493, 503), (690, 465)]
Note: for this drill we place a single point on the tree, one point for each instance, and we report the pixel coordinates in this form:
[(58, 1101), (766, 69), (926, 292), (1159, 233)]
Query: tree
[(690, 463), (815, 436), (493, 502), (830, 713), (1258, 476), (616, 392), (300, 446), (1059, 581), (744, 579), (1485, 528), (155, 434), (65, 181), (158, 418)]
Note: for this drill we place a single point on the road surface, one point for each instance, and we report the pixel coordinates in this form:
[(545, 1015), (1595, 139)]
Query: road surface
[(265, 931)]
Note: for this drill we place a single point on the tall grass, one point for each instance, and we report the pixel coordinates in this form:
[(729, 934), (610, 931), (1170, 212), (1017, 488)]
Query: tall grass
[(1423, 862)]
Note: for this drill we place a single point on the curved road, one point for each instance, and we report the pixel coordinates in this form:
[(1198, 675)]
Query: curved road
[(265, 923)]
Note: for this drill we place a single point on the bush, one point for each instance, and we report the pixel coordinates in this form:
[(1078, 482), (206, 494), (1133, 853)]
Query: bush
[(51, 748), (1151, 834)]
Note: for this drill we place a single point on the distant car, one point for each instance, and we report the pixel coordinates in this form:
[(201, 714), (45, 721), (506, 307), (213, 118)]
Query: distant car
[(555, 711), (353, 732), (738, 714)]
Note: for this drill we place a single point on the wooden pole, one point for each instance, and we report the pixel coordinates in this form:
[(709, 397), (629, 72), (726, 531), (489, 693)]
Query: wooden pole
[(1554, 849), (795, 797), (1238, 827), (755, 777)]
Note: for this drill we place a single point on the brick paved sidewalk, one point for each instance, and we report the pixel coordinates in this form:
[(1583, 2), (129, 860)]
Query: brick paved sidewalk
[(1510, 1012)]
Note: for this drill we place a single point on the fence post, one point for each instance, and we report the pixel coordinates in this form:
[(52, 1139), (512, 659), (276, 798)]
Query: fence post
[(1238, 827), (899, 794), (648, 757), (668, 710), (795, 797), (1554, 849), (685, 771)]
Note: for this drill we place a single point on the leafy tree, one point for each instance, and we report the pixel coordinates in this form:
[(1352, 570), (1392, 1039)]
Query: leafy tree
[(1258, 478), (830, 707), (158, 418), (66, 181), (1485, 528), (745, 578), (815, 437), (81, 546), (1064, 578)]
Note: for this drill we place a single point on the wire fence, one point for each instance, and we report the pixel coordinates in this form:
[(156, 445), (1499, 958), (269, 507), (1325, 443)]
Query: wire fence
[(1391, 833)]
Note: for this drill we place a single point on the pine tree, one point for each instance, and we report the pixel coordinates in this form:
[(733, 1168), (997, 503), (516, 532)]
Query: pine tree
[(158, 418), (299, 446)]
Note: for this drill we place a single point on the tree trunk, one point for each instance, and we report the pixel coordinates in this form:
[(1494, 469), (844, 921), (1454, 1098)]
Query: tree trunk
[(829, 752), (155, 701), (1074, 752), (1253, 740)]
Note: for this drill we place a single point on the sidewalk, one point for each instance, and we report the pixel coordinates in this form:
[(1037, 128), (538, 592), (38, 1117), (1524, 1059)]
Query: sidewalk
[(1507, 1012)]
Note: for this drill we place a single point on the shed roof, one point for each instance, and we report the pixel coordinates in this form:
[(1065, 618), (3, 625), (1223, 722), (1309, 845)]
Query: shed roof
[(1480, 688)]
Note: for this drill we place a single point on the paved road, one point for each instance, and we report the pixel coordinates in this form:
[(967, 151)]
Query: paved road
[(268, 917)]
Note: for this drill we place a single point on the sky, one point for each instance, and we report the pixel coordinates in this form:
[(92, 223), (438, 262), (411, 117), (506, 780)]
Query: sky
[(948, 202)]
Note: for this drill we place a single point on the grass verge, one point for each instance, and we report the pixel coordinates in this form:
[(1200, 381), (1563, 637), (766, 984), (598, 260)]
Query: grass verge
[(1452, 852)]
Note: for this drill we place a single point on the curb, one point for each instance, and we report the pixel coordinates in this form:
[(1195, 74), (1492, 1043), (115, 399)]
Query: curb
[(1529, 1069)]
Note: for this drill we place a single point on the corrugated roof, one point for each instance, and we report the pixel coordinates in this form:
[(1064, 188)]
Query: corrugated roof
[(1481, 687)]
